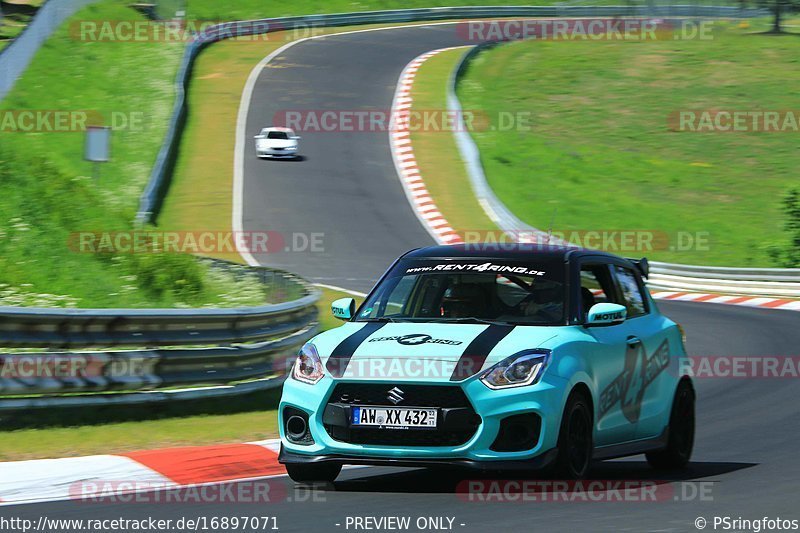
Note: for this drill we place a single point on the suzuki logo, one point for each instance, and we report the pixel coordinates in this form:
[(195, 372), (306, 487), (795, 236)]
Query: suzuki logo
[(395, 395)]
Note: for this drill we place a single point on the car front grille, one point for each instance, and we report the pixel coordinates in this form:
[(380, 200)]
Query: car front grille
[(440, 396)]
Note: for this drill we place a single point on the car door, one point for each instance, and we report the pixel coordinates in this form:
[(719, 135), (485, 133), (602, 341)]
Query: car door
[(647, 356), (607, 355)]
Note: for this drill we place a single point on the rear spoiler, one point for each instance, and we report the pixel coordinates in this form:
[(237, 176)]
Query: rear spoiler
[(641, 265)]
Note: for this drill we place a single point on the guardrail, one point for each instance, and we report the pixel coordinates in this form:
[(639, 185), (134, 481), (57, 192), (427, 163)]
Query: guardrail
[(153, 195), (162, 354), (773, 282), (742, 281)]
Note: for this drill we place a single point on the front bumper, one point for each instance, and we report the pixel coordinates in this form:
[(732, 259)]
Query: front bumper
[(537, 463), (544, 399), (276, 153)]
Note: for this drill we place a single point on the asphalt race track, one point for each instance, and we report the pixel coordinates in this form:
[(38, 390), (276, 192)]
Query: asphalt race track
[(345, 186), (746, 450)]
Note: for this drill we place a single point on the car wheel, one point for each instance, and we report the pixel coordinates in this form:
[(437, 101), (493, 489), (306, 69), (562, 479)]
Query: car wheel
[(681, 431), (575, 439), (313, 473)]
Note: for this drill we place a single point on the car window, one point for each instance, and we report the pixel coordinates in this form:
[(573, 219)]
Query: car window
[(596, 287), (392, 300), (278, 135), (524, 298), (631, 291)]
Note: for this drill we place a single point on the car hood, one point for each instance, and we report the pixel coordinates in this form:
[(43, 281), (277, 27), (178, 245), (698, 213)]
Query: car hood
[(423, 351), (276, 143)]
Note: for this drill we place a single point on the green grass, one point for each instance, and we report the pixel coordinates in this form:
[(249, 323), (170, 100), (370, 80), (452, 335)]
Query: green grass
[(40, 434), (600, 151), (49, 194)]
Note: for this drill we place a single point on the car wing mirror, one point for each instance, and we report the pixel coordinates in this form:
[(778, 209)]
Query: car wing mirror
[(344, 308), (606, 314)]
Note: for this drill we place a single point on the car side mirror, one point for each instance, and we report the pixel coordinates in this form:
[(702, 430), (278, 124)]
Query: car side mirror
[(258, 137), (296, 138), (344, 308), (606, 314)]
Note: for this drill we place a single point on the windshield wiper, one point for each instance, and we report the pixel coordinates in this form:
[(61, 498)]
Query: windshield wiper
[(380, 319), (474, 319)]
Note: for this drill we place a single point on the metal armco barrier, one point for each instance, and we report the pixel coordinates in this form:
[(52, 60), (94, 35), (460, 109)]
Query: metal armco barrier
[(743, 281), (163, 354), (153, 195), (16, 57)]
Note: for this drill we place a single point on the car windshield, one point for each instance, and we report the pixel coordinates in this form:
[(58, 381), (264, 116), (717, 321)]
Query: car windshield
[(468, 293), (277, 135)]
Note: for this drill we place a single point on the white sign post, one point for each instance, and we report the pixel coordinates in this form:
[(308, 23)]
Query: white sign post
[(98, 146)]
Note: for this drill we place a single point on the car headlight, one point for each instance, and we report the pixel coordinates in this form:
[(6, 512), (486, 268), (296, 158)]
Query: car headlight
[(523, 368), (308, 366)]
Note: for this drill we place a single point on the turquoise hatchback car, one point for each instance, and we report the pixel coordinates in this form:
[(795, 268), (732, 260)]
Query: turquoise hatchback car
[(492, 357)]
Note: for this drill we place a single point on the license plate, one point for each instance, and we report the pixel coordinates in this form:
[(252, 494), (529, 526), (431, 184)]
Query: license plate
[(394, 417)]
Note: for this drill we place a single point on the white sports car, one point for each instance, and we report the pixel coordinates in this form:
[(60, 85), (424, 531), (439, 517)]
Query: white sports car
[(276, 142)]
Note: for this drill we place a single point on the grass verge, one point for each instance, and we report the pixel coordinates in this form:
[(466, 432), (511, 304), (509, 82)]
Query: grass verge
[(50, 196), (601, 152)]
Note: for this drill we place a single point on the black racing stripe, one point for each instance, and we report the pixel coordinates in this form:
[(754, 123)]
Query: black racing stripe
[(340, 357), (475, 355)]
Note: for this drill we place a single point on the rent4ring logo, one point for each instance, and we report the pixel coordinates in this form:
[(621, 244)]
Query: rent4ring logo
[(415, 339), (629, 387), (67, 120)]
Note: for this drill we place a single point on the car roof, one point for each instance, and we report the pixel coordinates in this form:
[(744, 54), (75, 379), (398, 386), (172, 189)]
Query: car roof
[(276, 128), (518, 251)]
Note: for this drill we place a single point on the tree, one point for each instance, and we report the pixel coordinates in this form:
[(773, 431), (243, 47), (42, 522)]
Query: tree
[(791, 208), (787, 254), (779, 8)]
